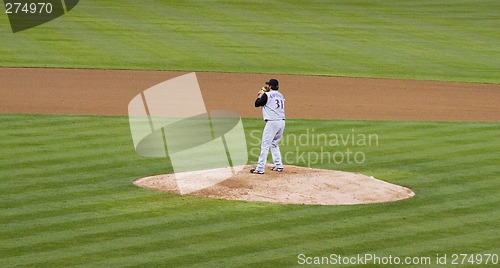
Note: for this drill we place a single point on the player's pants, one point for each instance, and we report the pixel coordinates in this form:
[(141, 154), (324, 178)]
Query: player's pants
[(273, 131)]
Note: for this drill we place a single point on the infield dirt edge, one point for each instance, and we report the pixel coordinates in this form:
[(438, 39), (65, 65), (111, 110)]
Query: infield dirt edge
[(108, 92)]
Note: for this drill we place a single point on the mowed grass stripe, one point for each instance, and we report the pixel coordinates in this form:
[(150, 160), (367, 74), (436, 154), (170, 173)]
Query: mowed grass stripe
[(198, 35), (109, 232), (442, 155), (407, 136), (53, 137), (442, 27), (468, 164), (350, 39), (80, 148), (49, 127), (288, 256), (471, 194), (27, 46), (68, 156), (464, 177), (158, 207), (177, 218), (452, 135), (257, 33), (406, 154), (463, 189), (275, 238), (91, 36), (404, 142), (94, 176), (439, 246), (457, 137), (339, 245), (443, 198), (77, 203), (419, 160), (173, 36), (69, 152), (156, 236), (440, 160), (63, 174), (68, 161), (431, 175), (72, 136), (244, 36), (393, 37), (464, 241), (26, 199), (147, 47), (85, 177)]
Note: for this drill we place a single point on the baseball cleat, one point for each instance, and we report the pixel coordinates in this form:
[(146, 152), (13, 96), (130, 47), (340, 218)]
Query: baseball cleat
[(277, 169), (255, 171)]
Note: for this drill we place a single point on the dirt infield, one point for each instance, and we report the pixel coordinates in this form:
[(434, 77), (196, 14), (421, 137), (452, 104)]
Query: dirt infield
[(108, 92), (295, 185)]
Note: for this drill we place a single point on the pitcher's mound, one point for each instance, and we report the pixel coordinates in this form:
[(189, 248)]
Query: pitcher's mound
[(295, 185)]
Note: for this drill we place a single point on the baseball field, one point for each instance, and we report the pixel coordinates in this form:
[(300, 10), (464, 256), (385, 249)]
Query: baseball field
[(421, 76)]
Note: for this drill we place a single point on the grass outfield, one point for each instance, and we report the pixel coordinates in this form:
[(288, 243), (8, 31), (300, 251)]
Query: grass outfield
[(66, 192), (71, 201), (431, 40)]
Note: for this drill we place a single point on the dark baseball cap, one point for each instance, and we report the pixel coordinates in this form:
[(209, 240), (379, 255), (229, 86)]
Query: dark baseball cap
[(273, 83)]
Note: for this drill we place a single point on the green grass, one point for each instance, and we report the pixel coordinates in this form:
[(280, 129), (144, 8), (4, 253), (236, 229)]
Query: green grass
[(68, 199), (430, 40)]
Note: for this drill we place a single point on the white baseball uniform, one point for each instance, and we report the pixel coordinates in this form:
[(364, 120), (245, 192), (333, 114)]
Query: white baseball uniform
[(274, 116)]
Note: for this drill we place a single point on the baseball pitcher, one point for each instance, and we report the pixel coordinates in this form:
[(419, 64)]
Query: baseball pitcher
[(273, 111)]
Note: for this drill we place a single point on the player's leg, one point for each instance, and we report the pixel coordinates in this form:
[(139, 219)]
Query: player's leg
[(267, 138), (275, 149)]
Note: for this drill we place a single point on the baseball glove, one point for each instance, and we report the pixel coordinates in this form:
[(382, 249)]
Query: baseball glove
[(263, 90)]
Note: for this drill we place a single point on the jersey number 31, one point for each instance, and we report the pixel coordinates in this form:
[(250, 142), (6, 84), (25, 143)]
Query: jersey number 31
[(279, 104)]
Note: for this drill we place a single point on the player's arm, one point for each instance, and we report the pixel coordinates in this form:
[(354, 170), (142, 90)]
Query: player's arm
[(261, 101)]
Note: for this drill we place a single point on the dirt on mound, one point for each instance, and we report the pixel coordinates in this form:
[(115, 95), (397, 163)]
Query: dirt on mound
[(295, 185)]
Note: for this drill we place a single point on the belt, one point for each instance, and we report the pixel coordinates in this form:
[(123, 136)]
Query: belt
[(274, 120)]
